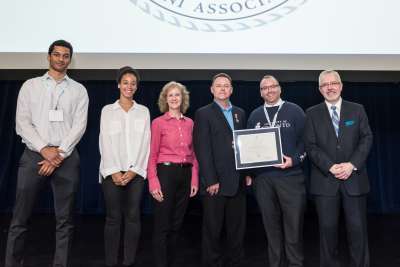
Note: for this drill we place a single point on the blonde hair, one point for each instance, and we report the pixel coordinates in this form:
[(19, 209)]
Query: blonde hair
[(162, 99)]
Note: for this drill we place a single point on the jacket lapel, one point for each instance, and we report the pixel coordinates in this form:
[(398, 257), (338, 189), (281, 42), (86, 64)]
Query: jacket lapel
[(220, 116), (345, 114), (236, 118)]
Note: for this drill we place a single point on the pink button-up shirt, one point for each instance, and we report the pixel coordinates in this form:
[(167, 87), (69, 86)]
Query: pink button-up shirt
[(171, 141)]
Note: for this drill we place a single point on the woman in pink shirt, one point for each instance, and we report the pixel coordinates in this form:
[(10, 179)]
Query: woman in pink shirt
[(172, 170)]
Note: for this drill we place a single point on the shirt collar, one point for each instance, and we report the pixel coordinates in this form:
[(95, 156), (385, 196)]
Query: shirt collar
[(338, 105), (116, 105), (46, 77), (228, 109), (168, 117), (277, 104)]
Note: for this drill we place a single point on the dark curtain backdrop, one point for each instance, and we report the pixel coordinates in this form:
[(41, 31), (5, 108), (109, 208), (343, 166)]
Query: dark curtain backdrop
[(381, 101)]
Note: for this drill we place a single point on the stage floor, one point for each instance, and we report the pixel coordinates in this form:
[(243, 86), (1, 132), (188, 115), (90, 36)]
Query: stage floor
[(384, 238)]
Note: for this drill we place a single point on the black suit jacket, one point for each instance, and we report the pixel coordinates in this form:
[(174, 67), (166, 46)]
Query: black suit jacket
[(212, 139), (325, 149)]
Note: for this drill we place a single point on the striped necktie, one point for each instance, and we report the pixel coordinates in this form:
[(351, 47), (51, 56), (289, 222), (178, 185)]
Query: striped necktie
[(335, 120)]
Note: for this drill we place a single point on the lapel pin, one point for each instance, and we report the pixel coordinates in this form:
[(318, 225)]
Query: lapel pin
[(236, 117)]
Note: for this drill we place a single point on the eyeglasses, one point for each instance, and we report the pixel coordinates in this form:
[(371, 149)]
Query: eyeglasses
[(271, 87), (334, 84)]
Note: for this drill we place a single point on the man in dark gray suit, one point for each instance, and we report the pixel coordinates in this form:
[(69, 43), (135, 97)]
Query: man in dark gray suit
[(222, 186), (338, 139)]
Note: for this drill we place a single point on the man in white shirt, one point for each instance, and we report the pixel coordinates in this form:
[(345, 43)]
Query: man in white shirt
[(51, 118)]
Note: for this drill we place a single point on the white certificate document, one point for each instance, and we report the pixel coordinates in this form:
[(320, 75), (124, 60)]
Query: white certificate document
[(259, 147)]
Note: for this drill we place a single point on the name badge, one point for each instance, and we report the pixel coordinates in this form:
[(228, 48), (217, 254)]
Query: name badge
[(56, 115)]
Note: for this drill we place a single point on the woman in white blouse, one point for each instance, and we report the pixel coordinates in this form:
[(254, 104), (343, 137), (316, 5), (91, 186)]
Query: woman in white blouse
[(124, 147)]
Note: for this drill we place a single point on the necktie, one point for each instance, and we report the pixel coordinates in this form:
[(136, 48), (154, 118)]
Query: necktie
[(335, 120)]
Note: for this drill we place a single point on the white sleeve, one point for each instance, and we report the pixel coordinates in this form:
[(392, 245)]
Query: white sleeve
[(108, 165), (23, 120), (79, 122)]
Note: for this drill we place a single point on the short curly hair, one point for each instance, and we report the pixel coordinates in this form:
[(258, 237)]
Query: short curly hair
[(62, 43), (162, 99), (127, 70)]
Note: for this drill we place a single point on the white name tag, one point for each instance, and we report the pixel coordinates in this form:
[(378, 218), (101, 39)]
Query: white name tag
[(56, 115)]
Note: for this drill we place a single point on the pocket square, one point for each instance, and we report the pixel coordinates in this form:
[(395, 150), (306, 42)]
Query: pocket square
[(349, 123)]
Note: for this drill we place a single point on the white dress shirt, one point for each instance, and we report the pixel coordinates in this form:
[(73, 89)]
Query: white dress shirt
[(338, 106), (124, 139), (35, 100)]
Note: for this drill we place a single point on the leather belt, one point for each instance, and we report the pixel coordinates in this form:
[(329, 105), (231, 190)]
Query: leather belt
[(174, 164)]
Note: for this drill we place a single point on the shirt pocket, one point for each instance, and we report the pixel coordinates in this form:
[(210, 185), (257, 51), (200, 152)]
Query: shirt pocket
[(138, 125), (114, 127)]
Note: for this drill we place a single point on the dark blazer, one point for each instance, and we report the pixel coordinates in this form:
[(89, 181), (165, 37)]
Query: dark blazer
[(212, 139), (325, 149)]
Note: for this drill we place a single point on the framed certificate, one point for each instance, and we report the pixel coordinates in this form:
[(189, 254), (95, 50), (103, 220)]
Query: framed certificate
[(255, 148)]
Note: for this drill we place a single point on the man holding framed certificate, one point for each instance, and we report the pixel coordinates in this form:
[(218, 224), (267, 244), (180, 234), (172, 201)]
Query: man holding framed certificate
[(280, 189)]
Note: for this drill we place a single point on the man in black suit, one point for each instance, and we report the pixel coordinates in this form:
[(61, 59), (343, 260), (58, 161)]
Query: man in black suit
[(338, 139), (224, 199)]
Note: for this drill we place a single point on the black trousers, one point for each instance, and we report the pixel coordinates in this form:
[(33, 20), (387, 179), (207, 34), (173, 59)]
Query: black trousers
[(282, 202), (217, 211), (168, 215), (355, 215), (64, 184), (122, 202)]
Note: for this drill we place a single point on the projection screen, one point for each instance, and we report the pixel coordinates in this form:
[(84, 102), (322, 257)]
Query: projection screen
[(211, 34)]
